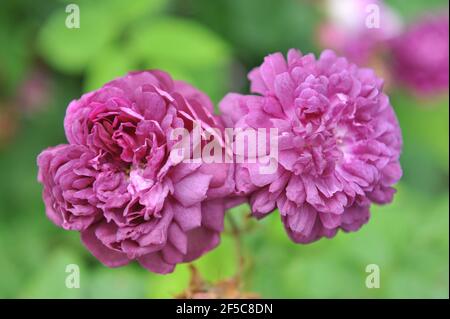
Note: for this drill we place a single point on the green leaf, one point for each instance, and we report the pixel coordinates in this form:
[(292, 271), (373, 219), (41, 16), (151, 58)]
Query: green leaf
[(126, 282), (69, 50), (101, 22), (184, 48), (125, 12), (410, 10), (259, 27), (219, 263), (425, 128), (170, 285), (110, 63), (183, 42), (50, 281)]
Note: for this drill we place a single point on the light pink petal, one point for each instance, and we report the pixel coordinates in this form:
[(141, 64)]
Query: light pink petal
[(192, 189), (154, 262), (178, 238), (107, 256), (187, 217), (213, 214), (273, 65), (200, 241)]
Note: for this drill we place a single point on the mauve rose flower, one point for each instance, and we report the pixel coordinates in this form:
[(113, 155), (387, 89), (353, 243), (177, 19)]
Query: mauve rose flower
[(420, 55), (117, 183), (339, 143)]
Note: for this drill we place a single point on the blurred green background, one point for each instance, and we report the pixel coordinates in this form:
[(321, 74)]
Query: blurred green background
[(212, 44)]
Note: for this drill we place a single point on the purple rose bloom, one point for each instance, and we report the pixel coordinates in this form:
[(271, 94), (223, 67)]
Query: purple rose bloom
[(338, 138), (420, 55), (117, 184)]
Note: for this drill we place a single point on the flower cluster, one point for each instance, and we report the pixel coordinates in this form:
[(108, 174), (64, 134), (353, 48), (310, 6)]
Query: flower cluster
[(117, 183)]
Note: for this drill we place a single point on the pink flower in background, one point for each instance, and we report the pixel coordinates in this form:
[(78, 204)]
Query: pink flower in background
[(358, 29), (116, 183), (338, 137), (35, 91), (420, 55)]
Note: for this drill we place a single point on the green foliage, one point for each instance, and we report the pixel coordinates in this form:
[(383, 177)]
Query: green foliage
[(109, 63), (169, 286), (165, 39), (117, 283), (50, 281), (220, 263), (70, 50), (127, 37), (410, 10), (403, 239), (211, 44), (185, 49), (425, 130), (258, 27)]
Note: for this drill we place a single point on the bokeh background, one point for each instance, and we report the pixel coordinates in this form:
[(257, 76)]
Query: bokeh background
[(212, 44)]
